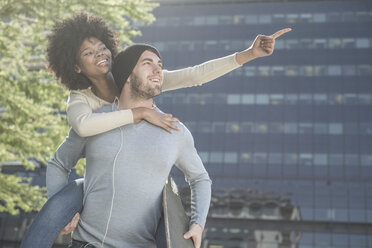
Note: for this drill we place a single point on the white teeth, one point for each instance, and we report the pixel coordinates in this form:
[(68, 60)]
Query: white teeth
[(102, 61)]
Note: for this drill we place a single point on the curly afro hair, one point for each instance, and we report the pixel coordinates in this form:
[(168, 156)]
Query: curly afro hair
[(64, 43)]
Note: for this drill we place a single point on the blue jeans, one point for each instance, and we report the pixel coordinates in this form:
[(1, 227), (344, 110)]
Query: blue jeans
[(58, 211)]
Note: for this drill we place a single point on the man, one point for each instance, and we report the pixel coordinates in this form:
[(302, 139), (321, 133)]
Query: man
[(128, 167), (141, 161)]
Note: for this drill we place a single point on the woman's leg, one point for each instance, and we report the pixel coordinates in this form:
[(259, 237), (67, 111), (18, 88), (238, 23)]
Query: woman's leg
[(57, 212)]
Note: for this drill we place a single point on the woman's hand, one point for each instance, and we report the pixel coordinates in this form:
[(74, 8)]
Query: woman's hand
[(154, 117)]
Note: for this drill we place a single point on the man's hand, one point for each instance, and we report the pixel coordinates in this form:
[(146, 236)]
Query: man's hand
[(72, 225), (195, 233), (262, 46)]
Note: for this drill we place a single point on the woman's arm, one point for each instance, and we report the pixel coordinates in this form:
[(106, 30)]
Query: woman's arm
[(86, 123)]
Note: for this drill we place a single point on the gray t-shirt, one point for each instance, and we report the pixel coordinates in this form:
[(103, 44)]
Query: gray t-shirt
[(125, 174)]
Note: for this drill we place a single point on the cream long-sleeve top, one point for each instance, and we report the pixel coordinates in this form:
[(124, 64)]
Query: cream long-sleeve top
[(81, 103)]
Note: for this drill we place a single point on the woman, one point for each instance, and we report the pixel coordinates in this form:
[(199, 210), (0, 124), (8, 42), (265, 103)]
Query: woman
[(85, 69)]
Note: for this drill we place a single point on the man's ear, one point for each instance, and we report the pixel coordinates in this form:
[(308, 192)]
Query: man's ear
[(77, 69), (129, 79)]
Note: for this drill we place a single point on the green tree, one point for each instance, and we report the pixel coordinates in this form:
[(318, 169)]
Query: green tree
[(32, 103)]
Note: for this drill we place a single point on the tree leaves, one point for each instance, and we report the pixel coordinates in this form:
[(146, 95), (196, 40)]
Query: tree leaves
[(32, 102)]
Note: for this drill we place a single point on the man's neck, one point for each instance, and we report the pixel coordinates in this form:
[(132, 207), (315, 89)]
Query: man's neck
[(128, 101)]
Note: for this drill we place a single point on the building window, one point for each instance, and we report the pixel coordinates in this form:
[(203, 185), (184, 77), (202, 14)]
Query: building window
[(320, 99), (291, 44), (351, 160), (334, 43), (225, 20), (239, 19), (216, 157), (199, 20), (261, 128), (262, 99), (233, 127), (348, 43), (306, 159), (307, 71), (366, 129), (334, 17), (366, 160), (211, 20), (319, 17), (292, 18), (305, 128), (290, 159), (264, 19), (264, 71), (231, 157), (336, 159), (291, 99), (320, 43), (362, 43), (320, 128), (290, 128), (251, 19), (349, 17), (278, 18), (349, 70), (260, 158), (248, 99), (291, 71), (335, 128), (365, 70), (245, 157), (276, 99), (279, 44), (275, 158), (233, 99), (320, 159), (334, 70)]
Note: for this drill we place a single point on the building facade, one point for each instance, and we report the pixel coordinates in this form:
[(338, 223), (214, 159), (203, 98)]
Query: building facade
[(296, 125)]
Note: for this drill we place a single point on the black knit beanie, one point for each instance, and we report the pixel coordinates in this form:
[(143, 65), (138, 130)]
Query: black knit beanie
[(126, 60)]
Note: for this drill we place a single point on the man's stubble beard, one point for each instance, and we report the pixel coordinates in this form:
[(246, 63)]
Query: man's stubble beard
[(141, 91)]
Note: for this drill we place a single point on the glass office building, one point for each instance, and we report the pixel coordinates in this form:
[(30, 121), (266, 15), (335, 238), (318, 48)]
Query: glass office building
[(286, 139)]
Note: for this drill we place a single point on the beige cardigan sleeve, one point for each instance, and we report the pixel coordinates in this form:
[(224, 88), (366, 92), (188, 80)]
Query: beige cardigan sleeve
[(199, 74), (81, 103), (86, 123)]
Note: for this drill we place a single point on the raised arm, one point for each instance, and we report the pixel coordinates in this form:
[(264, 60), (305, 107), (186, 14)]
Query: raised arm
[(63, 160), (86, 123), (212, 69), (199, 74), (191, 165)]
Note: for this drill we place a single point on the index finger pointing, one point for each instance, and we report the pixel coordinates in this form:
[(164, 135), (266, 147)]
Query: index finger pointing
[(280, 32)]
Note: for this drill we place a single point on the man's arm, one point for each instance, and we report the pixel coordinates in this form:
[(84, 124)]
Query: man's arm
[(200, 184), (63, 160), (199, 74)]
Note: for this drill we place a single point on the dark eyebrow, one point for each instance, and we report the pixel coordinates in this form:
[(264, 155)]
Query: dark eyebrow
[(82, 51), (151, 60), (99, 44)]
